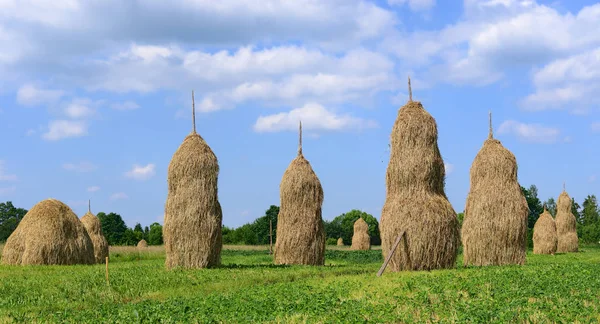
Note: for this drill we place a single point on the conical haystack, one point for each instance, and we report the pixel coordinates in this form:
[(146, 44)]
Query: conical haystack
[(193, 216), (415, 199), (142, 244), (50, 233), (566, 225), (300, 231), (94, 229), (361, 239), (545, 239), (340, 242), (494, 230)]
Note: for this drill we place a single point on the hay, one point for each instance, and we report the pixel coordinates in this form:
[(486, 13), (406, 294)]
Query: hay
[(94, 229), (566, 225), (361, 239), (193, 216), (300, 231), (340, 242), (50, 233), (142, 244), (545, 239), (415, 199), (494, 230)]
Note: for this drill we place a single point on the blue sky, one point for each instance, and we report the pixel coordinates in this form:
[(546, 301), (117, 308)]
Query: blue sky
[(95, 96)]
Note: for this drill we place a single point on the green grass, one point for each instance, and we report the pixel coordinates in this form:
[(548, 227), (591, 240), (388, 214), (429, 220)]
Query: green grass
[(560, 288)]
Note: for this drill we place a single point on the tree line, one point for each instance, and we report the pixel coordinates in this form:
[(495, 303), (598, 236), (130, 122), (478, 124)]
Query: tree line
[(257, 232)]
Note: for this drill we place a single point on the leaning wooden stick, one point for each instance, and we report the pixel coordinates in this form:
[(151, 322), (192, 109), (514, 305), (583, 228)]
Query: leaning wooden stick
[(107, 282), (389, 257)]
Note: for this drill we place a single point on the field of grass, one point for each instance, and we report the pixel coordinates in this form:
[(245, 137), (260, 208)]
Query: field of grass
[(560, 288)]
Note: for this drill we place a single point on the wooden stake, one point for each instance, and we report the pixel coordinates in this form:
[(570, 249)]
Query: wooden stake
[(107, 282), (300, 139), (193, 113), (491, 132), (409, 90), (389, 257), (270, 236)]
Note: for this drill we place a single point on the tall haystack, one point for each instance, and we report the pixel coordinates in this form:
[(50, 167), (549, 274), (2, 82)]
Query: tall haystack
[(566, 225), (142, 244), (545, 239), (340, 242), (361, 239), (494, 230), (94, 229), (50, 233), (415, 199), (300, 232), (193, 216)]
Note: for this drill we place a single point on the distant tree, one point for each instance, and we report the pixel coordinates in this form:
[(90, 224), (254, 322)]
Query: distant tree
[(589, 213), (155, 236), (460, 217), (551, 206), (534, 204), (261, 225), (346, 223), (138, 232), (113, 227), (146, 233), (130, 237), (333, 229), (10, 217), (575, 210)]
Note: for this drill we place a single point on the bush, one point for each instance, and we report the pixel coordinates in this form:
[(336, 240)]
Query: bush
[(331, 241)]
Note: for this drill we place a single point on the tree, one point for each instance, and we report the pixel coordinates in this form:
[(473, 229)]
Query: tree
[(534, 204), (460, 217), (155, 236), (146, 233), (113, 227), (130, 237), (345, 222), (551, 206), (589, 213), (575, 210), (10, 217), (138, 232)]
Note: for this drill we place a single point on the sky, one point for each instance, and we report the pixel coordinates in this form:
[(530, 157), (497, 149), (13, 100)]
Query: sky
[(95, 96)]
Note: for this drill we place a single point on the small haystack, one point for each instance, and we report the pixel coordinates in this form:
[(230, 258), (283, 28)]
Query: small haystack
[(340, 242), (545, 239), (300, 231), (142, 244), (415, 199), (50, 233), (94, 229), (193, 216), (494, 230), (361, 239), (566, 225)]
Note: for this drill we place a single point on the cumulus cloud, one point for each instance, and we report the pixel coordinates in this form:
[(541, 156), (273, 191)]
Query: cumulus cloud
[(84, 166), (415, 5), (127, 105), (532, 133), (313, 117), (61, 129), (31, 95), (119, 196), (80, 109), (139, 172), (93, 189)]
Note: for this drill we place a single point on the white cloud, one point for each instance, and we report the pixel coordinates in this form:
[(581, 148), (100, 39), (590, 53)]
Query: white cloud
[(533, 133), (313, 117), (84, 166), (127, 105), (30, 132), (119, 196), (80, 109), (449, 168), (6, 176), (61, 129), (93, 189), (31, 95), (7, 190), (415, 5), (141, 172)]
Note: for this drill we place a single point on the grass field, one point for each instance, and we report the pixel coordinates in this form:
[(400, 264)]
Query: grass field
[(560, 288)]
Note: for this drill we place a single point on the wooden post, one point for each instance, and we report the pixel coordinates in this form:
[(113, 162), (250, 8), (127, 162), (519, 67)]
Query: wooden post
[(270, 236), (107, 282), (389, 257)]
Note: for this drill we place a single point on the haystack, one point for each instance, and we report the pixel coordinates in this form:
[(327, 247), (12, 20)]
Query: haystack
[(94, 229), (566, 225), (361, 239), (142, 244), (193, 216), (545, 239), (50, 233), (340, 242), (415, 199), (300, 231), (494, 230)]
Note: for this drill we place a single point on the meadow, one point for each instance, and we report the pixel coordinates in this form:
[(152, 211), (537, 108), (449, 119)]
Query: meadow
[(248, 287)]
